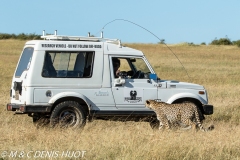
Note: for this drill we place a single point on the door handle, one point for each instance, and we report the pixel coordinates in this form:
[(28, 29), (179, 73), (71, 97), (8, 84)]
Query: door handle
[(157, 85)]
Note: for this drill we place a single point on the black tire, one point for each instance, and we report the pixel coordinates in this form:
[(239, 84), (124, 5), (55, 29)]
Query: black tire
[(68, 114)]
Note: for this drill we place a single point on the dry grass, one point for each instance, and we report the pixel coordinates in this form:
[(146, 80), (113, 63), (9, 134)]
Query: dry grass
[(215, 67)]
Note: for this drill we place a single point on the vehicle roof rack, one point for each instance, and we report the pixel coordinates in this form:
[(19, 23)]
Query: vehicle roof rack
[(56, 37)]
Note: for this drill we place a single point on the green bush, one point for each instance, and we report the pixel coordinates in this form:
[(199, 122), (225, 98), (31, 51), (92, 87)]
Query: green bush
[(221, 41), (236, 43), (7, 36), (21, 36)]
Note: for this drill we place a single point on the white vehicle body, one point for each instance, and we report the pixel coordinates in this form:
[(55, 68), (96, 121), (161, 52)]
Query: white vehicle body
[(34, 92)]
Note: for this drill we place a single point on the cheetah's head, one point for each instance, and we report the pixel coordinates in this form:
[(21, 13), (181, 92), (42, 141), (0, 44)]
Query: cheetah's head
[(150, 104)]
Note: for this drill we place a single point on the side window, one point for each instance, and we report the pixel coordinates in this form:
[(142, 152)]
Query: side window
[(130, 68), (25, 61), (68, 64), (120, 65)]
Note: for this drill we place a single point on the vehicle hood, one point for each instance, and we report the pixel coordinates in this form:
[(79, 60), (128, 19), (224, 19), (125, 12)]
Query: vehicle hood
[(177, 84)]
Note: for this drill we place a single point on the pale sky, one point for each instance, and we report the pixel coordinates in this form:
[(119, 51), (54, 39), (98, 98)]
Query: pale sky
[(173, 20)]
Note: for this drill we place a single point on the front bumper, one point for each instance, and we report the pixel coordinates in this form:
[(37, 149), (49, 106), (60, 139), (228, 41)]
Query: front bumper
[(208, 109), (21, 108)]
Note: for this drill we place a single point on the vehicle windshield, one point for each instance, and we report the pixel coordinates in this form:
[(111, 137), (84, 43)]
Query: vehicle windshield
[(140, 65), (25, 61)]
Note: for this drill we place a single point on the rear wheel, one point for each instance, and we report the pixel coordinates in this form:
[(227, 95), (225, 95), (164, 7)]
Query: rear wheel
[(68, 114)]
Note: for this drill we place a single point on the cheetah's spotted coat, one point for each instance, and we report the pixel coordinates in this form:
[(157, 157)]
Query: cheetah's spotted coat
[(175, 113)]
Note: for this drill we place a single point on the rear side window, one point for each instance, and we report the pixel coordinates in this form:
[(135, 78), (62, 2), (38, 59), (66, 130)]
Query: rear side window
[(68, 64), (25, 61)]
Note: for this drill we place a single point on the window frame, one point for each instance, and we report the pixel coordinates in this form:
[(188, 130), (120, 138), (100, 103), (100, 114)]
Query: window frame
[(22, 65), (87, 61), (131, 65)]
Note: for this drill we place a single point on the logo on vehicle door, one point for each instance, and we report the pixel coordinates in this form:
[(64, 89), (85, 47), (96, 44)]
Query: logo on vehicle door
[(133, 97), (101, 93)]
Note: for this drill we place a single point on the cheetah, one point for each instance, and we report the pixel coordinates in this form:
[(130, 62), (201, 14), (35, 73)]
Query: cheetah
[(184, 112)]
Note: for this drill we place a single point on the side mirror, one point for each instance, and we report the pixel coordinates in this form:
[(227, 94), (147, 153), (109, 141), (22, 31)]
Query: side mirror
[(119, 82)]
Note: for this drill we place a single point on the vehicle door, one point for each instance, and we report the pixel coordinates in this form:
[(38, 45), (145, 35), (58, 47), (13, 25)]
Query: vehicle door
[(131, 85), (19, 79)]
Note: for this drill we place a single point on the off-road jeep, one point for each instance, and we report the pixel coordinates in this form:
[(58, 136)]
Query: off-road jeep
[(66, 80)]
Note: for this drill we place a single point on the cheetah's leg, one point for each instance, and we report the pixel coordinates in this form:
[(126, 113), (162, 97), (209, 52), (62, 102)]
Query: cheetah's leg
[(204, 129), (163, 121), (160, 125), (180, 120), (189, 123), (184, 126), (199, 124)]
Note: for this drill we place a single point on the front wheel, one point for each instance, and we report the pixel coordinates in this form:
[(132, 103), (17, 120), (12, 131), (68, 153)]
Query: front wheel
[(68, 114)]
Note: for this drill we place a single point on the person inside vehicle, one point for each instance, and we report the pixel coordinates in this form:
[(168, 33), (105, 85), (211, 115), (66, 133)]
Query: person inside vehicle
[(116, 65)]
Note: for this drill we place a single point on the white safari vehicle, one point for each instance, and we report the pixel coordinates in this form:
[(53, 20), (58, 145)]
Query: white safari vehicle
[(67, 80)]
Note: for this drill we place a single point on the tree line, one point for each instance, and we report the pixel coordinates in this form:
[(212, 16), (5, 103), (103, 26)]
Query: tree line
[(33, 36), (21, 36)]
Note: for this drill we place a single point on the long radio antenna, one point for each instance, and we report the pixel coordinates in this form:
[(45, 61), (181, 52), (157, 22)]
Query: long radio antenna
[(150, 33)]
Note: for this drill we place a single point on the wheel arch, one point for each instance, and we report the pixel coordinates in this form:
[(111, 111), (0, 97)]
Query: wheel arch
[(186, 95), (71, 96), (197, 102)]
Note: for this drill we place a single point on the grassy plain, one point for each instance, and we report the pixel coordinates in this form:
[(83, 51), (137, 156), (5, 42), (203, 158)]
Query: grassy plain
[(215, 67)]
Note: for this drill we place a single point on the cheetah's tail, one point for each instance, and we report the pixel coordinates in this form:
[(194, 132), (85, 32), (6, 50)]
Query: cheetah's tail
[(210, 128)]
